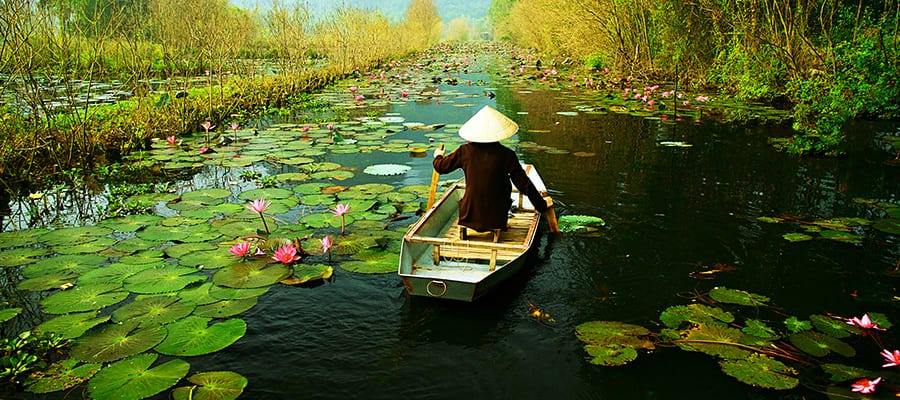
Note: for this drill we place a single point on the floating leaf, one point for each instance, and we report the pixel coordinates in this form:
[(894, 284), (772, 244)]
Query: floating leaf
[(193, 336), (888, 225), (770, 220), (7, 314), (117, 341), (842, 373), (47, 282), (603, 333), (308, 272), (143, 257), (70, 236), (84, 298), (838, 328), (211, 259), (716, 339), (21, 256), (373, 262), (734, 296), (156, 310), (130, 223), (881, 320), (225, 308), (840, 236), (579, 223), (133, 379), (213, 385), (386, 169), (250, 274), (60, 376), (796, 237), (795, 325), (759, 329), (695, 314), (162, 280), (820, 345), (761, 371), (227, 293), (182, 249), (73, 325), (113, 273)]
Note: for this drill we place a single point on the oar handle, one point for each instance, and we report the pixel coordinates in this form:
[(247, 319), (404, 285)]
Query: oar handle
[(432, 190)]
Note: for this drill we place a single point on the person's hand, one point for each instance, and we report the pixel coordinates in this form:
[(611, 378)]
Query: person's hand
[(438, 152)]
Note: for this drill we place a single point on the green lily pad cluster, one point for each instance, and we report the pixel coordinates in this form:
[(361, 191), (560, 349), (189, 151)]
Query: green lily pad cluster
[(841, 229), (765, 350)]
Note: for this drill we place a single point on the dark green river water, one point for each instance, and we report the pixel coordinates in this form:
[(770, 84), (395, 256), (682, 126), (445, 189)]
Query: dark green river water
[(671, 213)]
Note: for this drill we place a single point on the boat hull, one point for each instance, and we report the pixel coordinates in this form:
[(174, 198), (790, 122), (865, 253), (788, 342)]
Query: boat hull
[(437, 260)]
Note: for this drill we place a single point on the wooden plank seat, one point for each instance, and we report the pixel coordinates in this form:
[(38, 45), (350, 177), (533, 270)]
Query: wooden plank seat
[(482, 247)]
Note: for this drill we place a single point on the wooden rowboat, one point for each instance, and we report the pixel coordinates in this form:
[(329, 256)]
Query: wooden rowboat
[(439, 258)]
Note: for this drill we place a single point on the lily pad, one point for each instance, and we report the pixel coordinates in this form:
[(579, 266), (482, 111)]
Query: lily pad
[(133, 379), (117, 341), (162, 280), (70, 236), (84, 298), (60, 376), (225, 308), (820, 345), (694, 313), (308, 272), (734, 296), (796, 237), (386, 169), (130, 223), (213, 385), (7, 314), (113, 273), (888, 225), (47, 282), (193, 336), (250, 275), (372, 262), (21, 256), (73, 325), (579, 223), (761, 371), (716, 339), (156, 310)]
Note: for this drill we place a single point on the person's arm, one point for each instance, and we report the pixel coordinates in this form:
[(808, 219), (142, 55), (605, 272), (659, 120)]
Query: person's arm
[(522, 182), (444, 163)]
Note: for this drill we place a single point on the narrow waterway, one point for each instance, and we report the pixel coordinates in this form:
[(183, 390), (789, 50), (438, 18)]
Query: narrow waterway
[(672, 213), (680, 220)]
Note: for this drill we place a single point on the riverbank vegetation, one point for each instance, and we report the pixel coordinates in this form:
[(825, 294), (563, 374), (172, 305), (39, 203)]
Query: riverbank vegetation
[(828, 61), (179, 63)]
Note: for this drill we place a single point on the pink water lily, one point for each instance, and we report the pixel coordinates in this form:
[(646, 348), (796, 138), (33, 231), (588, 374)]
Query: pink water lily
[(330, 126), (326, 245), (341, 210), (865, 386), (353, 89), (286, 254), (171, 139), (207, 126), (240, 249), (893, 358), (260, 206), (865, 322)]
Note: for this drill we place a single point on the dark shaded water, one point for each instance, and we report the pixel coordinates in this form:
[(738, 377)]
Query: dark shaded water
[(670, 212)]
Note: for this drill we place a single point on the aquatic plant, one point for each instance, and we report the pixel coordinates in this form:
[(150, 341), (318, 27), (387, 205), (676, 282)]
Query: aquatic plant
[(260, 206), (749, 350), (341, 210)]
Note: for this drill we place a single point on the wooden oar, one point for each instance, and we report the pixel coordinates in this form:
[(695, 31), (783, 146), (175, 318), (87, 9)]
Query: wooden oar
[(432, 191), (550, 215)]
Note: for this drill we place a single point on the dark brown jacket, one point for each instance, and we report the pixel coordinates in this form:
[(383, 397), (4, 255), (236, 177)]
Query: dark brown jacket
[(488, 168)]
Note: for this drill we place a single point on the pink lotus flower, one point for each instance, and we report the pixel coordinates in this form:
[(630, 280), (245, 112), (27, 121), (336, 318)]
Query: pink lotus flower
[(893, 359), (304, 128), (341, 210), (359, 97), (864, 323), (701, 98), (204, 149), (330, 126), (207, 126), (353, 89), (260, 207), (286, 254), (326, 245), (403, 93), (171, 139), (235, 126), (240, 249), (865, 386)]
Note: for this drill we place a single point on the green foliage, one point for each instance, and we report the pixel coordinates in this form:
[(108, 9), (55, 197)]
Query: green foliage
[(26, 353), (748, 348)]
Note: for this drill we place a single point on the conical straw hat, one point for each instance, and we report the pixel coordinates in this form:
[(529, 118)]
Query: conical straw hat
[(488, 125)]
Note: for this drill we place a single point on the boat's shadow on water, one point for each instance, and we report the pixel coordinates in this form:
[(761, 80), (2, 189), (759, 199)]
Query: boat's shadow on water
[(426, 319)]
